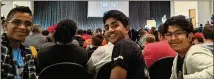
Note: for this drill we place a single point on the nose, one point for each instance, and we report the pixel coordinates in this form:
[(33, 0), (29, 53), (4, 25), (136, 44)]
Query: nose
[(173, 36), (22, 26), (111, 29)]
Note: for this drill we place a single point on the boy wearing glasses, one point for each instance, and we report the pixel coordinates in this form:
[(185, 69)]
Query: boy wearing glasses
[(192, 62), (16, 60)]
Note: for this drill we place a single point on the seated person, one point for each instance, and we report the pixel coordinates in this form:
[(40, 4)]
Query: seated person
[(197, 38), (63, 50), (99, 57), (97, 40)]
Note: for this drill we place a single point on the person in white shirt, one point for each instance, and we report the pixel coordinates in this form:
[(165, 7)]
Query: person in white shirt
[(99, 57)]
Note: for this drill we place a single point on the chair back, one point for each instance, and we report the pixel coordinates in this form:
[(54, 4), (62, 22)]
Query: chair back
[(104, 72), (161, 69), (64, 70)]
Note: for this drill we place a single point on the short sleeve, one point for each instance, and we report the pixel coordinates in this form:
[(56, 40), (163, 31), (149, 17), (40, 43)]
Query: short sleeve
[(121, 55)]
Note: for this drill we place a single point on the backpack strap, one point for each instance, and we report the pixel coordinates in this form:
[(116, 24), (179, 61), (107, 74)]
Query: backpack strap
[(34, 52)]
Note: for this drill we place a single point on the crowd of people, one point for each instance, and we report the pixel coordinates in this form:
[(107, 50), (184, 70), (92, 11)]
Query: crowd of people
[(27, 50)]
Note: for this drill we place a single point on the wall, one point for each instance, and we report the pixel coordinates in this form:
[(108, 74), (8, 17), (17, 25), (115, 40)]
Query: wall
[(6, 8), (204, 11), (11, 4), (182, 8)]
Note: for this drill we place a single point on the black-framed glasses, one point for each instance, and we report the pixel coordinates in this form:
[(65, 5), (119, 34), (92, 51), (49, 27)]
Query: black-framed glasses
[(18, 22), (176, 33)]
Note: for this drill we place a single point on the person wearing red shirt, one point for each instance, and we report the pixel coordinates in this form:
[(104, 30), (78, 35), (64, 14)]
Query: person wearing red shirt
[(154, 51)]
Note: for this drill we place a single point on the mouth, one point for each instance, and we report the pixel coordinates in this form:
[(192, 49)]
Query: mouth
[(112, 36)]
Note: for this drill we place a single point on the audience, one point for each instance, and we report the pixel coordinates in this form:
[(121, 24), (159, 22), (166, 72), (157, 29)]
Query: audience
[(155, 51), (63, 50), (36, 39), (191, 62), (17, 61), (127, 60)]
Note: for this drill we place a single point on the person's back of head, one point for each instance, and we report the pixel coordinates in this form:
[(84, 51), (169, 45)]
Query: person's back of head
[(150, 38), (161, 35), (79, 32), (35, 29), (65, 31), (208, 32), (97, 39), (89, 32), (45, 32), (98, 30)]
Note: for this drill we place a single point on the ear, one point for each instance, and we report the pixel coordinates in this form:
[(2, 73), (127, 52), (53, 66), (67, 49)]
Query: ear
[(127, 29), (190, 36), (5, 26)]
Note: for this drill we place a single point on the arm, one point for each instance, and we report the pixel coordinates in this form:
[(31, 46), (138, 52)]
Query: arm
[(118, 73), (204, 62)]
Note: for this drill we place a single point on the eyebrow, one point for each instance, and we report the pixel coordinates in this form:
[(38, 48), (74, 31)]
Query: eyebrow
[(175, 31), (114, 22)]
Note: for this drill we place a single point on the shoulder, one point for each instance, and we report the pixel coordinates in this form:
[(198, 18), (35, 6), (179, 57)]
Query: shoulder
[(78, 48), (125, 42), (198, 49)]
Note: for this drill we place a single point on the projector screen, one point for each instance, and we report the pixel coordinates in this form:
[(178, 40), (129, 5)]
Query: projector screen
[(96, 8)]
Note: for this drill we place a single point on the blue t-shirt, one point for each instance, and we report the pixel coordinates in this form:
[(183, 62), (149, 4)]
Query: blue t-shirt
[(19, 63)]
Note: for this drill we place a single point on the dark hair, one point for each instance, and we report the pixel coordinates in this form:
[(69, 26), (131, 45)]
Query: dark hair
[(98, 30), (45, 32), (65, 31), (201, 24), (35, 28), (79, 32), (89, 32), (179, 21), (97, 39), (208, 32), (21, 9), (84, 31), (117, 15), (161, 29)]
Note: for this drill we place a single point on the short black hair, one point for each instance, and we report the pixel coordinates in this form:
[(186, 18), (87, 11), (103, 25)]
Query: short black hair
[(45, 32), (65, 31), (89, 32), (117, 15), (98, 30), (79, 32), (161, 29), (97, 39), (21, 9), (208, 32), (180, 21)]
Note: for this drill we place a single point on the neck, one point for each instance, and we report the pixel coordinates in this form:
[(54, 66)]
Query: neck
[(15, 43), (184, 52)]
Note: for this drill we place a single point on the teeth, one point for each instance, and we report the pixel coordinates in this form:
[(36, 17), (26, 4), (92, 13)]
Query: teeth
[(112, 35)]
